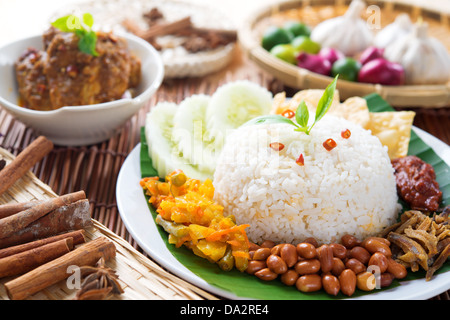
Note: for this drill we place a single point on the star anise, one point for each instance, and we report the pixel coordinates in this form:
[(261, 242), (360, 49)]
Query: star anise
[(100, 282)]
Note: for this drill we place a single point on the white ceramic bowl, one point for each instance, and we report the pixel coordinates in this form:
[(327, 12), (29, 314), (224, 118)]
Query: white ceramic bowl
[(79, 125)]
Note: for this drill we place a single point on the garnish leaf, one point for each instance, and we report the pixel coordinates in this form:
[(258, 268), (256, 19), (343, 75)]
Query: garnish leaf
[(302, 115), (272, 118), (88, 19), (61, 24), (87, 42), (87, 37), (326, 100), (324, 103)]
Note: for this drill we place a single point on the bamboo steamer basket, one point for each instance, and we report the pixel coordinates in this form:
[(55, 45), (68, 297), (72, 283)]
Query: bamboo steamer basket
[(313, 12)]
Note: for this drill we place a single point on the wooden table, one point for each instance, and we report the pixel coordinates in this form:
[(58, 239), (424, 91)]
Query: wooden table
[(95, 168)]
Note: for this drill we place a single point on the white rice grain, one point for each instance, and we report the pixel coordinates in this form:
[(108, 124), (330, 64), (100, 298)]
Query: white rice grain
[(348, 190)]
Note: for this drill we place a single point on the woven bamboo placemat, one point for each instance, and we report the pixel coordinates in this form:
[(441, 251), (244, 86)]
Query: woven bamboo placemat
[(140, 277), (95, 168)]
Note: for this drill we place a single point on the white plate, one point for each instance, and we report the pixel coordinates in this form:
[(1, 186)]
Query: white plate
[(139, 222)]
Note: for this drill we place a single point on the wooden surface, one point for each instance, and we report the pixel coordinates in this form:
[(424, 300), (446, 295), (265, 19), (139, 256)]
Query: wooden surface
[(95, 168)]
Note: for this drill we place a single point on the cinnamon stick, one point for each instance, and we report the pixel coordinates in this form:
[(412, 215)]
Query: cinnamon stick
[(54, 271), (31, 155), (158, 29), (132, 27), (77, 236), (231, 35), (75, 216), (28, 260), (9, 209), (18, 221)]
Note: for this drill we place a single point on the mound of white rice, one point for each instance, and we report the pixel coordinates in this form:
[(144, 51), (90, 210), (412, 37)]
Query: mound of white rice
[(348, 190)]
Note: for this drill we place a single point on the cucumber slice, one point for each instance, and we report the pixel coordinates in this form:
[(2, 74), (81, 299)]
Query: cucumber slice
[(190, 133), (232, 105), (162, 149)]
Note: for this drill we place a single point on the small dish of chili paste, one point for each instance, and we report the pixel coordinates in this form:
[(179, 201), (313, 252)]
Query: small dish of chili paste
[(416, 183)]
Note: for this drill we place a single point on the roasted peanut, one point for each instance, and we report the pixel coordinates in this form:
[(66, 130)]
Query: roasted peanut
[(378, 259), (276, 250), (307, 266), (339, 251), (312, 241), (309, 283), (356, 265), (330, 284), (266, 274), (325, 254), (267, 244), (382, 240), (347, 281), (289, 277), (306, 250), (289, 254), (365, 281), (360, 254), (276, 264), (255, 265), (386, 279), (350, 241), (338, 266), (334, 267), (396, 269), (373, 245), (253, 246), (261, 254)]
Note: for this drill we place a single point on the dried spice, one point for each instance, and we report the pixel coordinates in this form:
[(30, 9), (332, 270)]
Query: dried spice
[(100, 282), (419, 240), (17, 168), (196, 39), (152, 16)]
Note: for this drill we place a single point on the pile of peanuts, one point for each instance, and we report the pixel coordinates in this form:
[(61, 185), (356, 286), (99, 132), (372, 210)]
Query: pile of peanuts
[(335, 267)]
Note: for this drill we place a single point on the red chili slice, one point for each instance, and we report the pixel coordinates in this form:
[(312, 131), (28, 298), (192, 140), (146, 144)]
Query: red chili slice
[(300, 160), (329, 144), (346, 134), (288, 114), (277, 146)]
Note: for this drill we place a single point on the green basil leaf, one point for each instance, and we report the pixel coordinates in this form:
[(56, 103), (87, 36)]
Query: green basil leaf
[(61, 24), (68, 23), (87, 42), (302, 114), (80, 33), (88, 19), (74, 23), (87, 38), (273, 118), (326, 100)]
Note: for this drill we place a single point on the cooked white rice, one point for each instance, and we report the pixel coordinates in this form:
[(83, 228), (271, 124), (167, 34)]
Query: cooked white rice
[(348, 190)]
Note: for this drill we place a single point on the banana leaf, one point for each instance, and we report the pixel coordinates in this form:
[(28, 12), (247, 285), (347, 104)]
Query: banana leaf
[(247, 286)]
